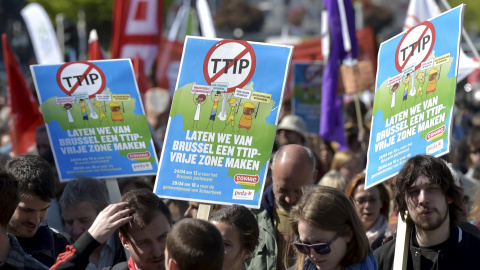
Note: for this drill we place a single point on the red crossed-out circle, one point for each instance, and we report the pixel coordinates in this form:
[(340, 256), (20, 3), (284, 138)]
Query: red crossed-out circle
[(419, 30), (80, 68), (312, 73), (244, 50)]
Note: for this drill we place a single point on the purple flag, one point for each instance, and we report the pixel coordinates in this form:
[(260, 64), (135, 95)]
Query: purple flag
[(331, 122)]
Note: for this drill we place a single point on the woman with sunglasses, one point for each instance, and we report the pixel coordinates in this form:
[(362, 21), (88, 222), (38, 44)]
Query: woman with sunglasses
[(329, 234)]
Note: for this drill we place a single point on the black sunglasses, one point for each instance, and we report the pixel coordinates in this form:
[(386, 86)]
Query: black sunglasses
[(319, 248)]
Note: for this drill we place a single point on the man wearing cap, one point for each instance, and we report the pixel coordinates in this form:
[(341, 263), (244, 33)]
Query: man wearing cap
[(291, 130)]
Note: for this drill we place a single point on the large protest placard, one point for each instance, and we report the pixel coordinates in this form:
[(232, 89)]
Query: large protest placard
[(223, 121), (414, 97), (307, 93), (95, 119)]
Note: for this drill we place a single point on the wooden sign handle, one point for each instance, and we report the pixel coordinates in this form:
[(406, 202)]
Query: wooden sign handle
[(113, 190), (204, 211), (401, 245)]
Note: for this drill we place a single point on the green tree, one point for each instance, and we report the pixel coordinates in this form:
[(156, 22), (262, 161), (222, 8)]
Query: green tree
[(471, 18), (98, 14)]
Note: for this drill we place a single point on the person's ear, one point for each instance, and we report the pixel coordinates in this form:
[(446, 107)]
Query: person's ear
[(245, 255), (449, 200), (315, 173), (172, 264), (124, 241), (349, 235)]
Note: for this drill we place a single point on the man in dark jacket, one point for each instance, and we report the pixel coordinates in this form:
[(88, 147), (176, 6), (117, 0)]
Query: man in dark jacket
[(12, 255), (28, 225), (82, 200), (425, 187), (293, 167), (144, 222)]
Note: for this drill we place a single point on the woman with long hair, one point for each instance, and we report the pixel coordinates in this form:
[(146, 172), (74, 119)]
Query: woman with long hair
[(329, 234), (372, 206), (239, 230)]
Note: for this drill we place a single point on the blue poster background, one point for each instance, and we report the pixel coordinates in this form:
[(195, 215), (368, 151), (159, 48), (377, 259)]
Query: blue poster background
[(132, 155), (413, 107), (208, 178), (307, 94)]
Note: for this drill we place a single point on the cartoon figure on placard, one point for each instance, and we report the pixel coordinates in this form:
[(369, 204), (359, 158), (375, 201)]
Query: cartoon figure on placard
[(393, 92), (421, 80), (306, 92), (213, 114), (116, 114), (99, 105), (81, 102), (199, 100), (433, 76), (406, 81), (68, 107), (246, 119), (231, 117)]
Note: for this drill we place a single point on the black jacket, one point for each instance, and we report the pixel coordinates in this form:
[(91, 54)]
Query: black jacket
[(45, 245), (76, 256), (462, 253)]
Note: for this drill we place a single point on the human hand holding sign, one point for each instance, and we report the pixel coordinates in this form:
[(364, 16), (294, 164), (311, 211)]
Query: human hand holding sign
[(109, 220)]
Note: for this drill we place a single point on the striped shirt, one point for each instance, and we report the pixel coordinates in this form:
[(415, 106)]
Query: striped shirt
[(107, 253)]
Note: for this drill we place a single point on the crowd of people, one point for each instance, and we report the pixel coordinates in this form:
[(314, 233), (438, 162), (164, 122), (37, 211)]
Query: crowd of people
[(315, 214)]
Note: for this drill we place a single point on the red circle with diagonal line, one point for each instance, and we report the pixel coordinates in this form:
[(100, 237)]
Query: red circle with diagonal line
[(415, 46), (231, 61), (81, 77), (313, 74)]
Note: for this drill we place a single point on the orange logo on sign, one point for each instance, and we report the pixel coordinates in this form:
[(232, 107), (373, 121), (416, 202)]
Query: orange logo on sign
[(139, 155), (245, 179)]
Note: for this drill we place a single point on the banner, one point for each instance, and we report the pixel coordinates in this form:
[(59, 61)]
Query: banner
[(95, 119), (142, 79), (343, 45), (422, 10), (223, 121), (137, 28), (24, 114), (42, 35), (95, 52), (307, 93), (414, 97)]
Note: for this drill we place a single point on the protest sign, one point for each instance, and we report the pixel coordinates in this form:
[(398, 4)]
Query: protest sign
[(414, 97), (307, 95), (205, 158), (95, 119)]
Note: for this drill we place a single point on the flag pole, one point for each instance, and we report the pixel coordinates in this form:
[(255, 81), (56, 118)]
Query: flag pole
[(465, 35)]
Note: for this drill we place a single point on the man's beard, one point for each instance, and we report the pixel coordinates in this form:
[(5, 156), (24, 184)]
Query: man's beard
[(282, 205), (430, 225)]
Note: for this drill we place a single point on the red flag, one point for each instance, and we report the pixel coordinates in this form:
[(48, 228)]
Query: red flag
[(95, 52), (24, 114), (137, 28), (142, 79)]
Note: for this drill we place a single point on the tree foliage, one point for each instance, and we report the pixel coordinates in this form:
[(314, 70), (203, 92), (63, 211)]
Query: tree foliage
[(98, 14), (471, 18)]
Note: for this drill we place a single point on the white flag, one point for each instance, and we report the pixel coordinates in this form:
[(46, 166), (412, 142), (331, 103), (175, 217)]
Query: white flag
[(43, 36), (422, 10), (206, 22)]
